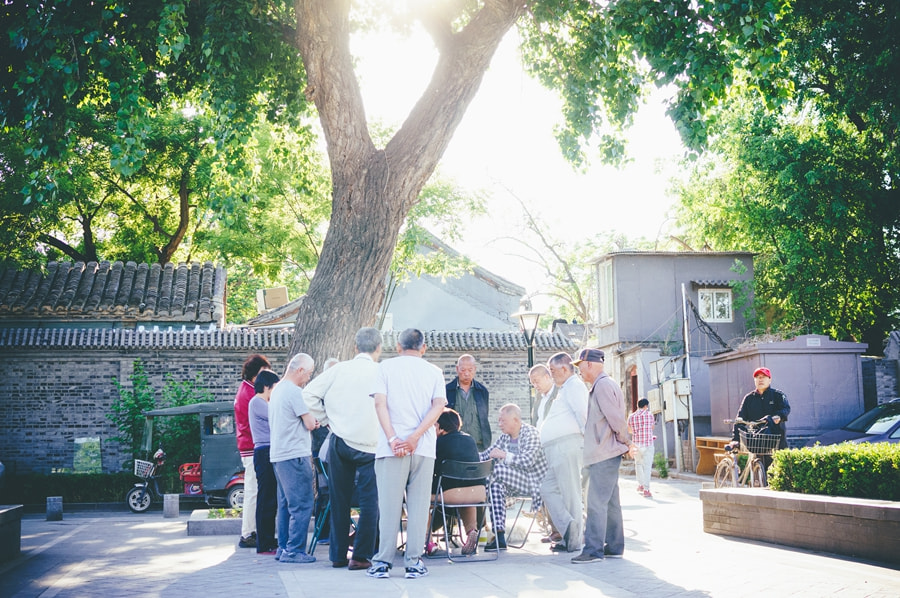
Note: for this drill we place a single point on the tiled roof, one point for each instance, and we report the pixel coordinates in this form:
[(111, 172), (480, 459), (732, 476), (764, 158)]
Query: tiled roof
[(253, 339), (107, 291)]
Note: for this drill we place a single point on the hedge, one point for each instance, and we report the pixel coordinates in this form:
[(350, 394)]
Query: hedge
[(862, 470)]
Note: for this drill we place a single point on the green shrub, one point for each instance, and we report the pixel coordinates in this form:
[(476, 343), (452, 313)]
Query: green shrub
[(34, 488), (856, 470), (662, 465)]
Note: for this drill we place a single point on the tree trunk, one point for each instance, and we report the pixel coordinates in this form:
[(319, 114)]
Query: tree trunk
[(373, 190)]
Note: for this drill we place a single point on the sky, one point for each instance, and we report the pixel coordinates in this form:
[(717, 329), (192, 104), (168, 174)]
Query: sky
[(505, 147)]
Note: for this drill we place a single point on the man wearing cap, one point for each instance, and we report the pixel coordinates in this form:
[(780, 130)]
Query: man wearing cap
[(765, 403), (605, 441)]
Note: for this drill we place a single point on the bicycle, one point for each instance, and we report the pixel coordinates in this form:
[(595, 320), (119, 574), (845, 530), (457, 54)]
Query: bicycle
[(754, 444)]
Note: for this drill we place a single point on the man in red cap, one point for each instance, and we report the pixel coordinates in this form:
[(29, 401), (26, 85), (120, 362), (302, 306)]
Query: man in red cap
[(765, 403)]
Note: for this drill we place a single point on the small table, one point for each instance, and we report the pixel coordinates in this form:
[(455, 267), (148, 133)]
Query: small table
[(708, 447)]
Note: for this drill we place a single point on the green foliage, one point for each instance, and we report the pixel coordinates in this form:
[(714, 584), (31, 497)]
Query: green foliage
[(603, 57), (178, 435), (224, 513), (804, 192), (33, 488), (127, 412), (662, 465), (856, 470)]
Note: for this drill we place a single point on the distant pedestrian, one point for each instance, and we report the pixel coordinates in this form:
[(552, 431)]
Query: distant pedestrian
[(605, 441), (640, 424), (252, 366), (291, 456), (471, 399)]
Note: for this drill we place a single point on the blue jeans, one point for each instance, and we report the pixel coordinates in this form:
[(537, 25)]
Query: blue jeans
[(295, 502), (344, 463), (604, 512)]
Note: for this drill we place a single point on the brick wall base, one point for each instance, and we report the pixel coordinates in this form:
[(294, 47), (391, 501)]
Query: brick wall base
[(868, 529)]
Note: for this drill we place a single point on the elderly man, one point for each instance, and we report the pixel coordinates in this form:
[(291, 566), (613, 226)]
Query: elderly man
[(470, 399), (340, 398), (409, 398), (561, 424), (605, 441), (519, 467), (290, 451), (542, 381)]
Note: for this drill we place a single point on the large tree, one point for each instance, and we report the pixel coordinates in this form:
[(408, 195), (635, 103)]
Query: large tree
[(601, 57)]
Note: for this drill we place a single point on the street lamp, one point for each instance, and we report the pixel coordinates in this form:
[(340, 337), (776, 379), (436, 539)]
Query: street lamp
[(528, 323)]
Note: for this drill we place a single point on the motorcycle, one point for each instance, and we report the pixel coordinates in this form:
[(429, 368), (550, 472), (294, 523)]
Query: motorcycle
[(141, 496)]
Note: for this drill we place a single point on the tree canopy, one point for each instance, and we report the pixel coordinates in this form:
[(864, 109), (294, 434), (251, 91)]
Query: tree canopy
[(132, 60), (811, 186)]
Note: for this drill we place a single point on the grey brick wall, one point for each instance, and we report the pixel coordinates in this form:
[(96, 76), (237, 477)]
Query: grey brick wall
[(51, 395)]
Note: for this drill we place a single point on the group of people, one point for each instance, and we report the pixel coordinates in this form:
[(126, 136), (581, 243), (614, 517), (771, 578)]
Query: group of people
[(391, 425)]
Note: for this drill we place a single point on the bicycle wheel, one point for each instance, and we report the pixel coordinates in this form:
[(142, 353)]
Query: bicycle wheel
[(724, 476), (757, 474)]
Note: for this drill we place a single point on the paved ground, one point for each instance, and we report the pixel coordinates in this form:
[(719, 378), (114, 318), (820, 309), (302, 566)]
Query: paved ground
[(667, 555)]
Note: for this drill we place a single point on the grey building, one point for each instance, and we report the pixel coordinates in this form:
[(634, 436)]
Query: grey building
[(640, 319)]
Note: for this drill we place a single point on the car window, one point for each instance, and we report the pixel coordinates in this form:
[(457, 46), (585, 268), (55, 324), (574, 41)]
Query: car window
[(877, 421)]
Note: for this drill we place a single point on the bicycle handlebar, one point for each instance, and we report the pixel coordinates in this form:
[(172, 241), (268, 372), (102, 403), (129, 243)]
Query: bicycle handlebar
[(738, 420)]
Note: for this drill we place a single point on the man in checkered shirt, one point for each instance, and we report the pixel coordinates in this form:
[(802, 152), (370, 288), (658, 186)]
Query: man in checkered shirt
[(640, 425), (519, 467)]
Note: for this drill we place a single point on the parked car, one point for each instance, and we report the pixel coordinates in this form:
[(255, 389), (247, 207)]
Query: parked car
[(881, 424)]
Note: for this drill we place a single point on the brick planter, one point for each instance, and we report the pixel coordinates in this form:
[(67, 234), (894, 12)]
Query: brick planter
[(857, 527), (10, 531), (200, 525)]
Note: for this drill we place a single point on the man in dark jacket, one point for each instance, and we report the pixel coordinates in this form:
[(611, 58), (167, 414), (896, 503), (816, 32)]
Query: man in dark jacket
[(469, 398), (765, 403)]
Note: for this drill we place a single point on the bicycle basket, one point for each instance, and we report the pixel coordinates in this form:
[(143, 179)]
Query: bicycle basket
[(760, 444), (143, 469)]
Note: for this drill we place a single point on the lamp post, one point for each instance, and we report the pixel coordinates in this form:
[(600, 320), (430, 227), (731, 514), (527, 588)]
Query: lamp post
[(528, 323)]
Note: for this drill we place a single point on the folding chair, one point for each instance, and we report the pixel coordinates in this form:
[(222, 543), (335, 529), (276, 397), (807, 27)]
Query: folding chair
[(463, 471), (517, 503), (322, 517)]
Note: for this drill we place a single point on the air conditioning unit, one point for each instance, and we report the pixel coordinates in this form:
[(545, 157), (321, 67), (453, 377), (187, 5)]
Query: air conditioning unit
[(269, 299)]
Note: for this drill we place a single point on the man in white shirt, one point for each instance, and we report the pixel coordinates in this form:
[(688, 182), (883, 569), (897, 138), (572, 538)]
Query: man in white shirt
[(409, 397), (340, 398), (561, 424)]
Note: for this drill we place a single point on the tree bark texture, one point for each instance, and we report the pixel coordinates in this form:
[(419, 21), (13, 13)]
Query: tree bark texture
[(374, 189)]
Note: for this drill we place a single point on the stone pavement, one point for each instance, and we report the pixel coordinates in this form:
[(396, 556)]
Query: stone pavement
[(667, 555)]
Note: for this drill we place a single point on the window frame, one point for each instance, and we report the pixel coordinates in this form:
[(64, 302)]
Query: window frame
[(714, 291)]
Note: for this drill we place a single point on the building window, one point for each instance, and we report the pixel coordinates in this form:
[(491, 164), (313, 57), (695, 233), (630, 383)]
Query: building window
[(605, 292), (715, 305)]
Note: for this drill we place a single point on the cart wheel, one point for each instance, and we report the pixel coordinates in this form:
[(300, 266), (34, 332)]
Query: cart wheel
[(235, 497), (725, 477), (136, 502)]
